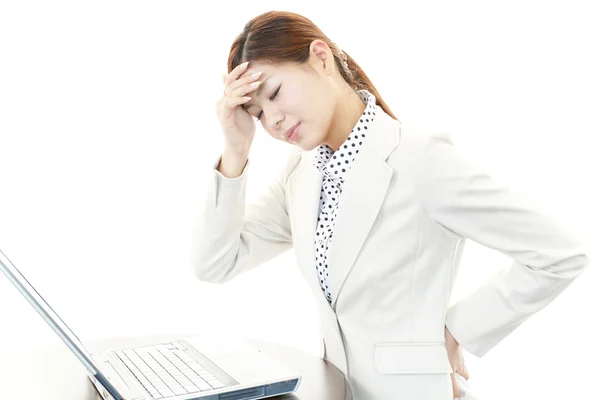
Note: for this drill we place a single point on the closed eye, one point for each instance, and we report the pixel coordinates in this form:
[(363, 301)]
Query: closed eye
[(271, 98)]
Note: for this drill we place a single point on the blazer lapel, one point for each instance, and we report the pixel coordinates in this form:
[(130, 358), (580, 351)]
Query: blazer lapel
[(363, 192), (305, 195)]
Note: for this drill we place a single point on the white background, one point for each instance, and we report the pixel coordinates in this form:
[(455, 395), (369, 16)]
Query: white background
[(108, 134)]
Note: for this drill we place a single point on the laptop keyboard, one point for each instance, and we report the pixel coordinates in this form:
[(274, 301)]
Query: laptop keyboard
[(165, 370)]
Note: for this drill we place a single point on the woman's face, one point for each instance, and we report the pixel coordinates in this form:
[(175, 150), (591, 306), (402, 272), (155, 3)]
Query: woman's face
[(293, 94)]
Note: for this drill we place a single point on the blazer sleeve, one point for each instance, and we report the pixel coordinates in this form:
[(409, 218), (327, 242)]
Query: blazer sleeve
[(466, 202), (231, 236)]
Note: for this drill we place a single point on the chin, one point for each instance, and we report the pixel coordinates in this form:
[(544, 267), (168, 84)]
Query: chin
[(309, 142), (306, 145)]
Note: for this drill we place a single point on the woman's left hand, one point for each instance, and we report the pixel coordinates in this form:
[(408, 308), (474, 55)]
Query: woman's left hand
[(456, 361)]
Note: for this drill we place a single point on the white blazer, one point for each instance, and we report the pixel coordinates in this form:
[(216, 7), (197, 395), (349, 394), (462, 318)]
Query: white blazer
[(409, 202)]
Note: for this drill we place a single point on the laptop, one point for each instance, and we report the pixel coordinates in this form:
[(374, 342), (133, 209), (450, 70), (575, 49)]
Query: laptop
[(194, 367)]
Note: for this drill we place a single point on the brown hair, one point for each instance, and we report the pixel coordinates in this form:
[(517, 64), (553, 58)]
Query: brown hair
[(282, 36)]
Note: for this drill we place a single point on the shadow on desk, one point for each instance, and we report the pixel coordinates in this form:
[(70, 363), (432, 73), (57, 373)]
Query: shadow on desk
[(320, 379)]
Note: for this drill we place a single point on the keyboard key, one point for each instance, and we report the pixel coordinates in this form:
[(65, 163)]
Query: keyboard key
[(201, 384), (167, 392), (191, 388), (178, 345), (180, 390)]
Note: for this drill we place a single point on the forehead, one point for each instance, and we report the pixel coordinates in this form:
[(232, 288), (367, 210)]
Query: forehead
[(256, 66)]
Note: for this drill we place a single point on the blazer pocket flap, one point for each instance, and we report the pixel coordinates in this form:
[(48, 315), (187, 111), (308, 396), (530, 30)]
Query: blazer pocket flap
[(411, 358)]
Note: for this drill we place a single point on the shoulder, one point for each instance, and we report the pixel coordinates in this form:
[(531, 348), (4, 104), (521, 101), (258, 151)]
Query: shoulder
[(416, 144)]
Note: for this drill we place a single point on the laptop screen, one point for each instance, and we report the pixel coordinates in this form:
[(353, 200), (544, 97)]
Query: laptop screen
[(57, 324)]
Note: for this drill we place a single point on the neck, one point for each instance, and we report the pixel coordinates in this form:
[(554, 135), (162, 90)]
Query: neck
[(348, 111)]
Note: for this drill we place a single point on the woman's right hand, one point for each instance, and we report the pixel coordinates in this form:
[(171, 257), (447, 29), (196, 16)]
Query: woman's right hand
[(237, 124)]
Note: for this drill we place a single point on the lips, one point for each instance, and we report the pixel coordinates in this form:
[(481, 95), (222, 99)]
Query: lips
[(288, 133)]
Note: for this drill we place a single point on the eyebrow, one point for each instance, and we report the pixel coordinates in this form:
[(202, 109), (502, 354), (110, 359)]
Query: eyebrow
[(260, 88), (262, 85)]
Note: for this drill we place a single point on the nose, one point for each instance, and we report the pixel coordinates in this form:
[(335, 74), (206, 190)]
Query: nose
[(275, 125)]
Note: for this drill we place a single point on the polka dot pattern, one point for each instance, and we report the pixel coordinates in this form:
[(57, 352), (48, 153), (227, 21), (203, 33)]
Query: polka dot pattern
[(334, 166)]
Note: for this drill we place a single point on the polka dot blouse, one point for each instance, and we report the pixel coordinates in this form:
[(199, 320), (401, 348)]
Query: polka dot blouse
[(334, 166)]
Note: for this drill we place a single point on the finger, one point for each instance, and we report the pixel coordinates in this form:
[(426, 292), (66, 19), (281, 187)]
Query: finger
[(236, 101), (243, 83), (236, 73), (465, 374), (455, 387), (462, 371), (242, 90)]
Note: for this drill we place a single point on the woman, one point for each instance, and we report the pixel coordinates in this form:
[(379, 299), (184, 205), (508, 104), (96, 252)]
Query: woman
[(377, 212)]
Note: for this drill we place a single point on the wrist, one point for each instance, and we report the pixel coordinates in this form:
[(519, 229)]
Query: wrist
[(448, 335), (237, 151)]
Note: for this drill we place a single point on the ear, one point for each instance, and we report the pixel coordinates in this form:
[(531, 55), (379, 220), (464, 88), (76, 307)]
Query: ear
[(321, 56)]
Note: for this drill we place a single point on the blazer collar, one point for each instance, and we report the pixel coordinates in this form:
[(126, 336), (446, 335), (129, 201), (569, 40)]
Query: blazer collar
[(365, 187)]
